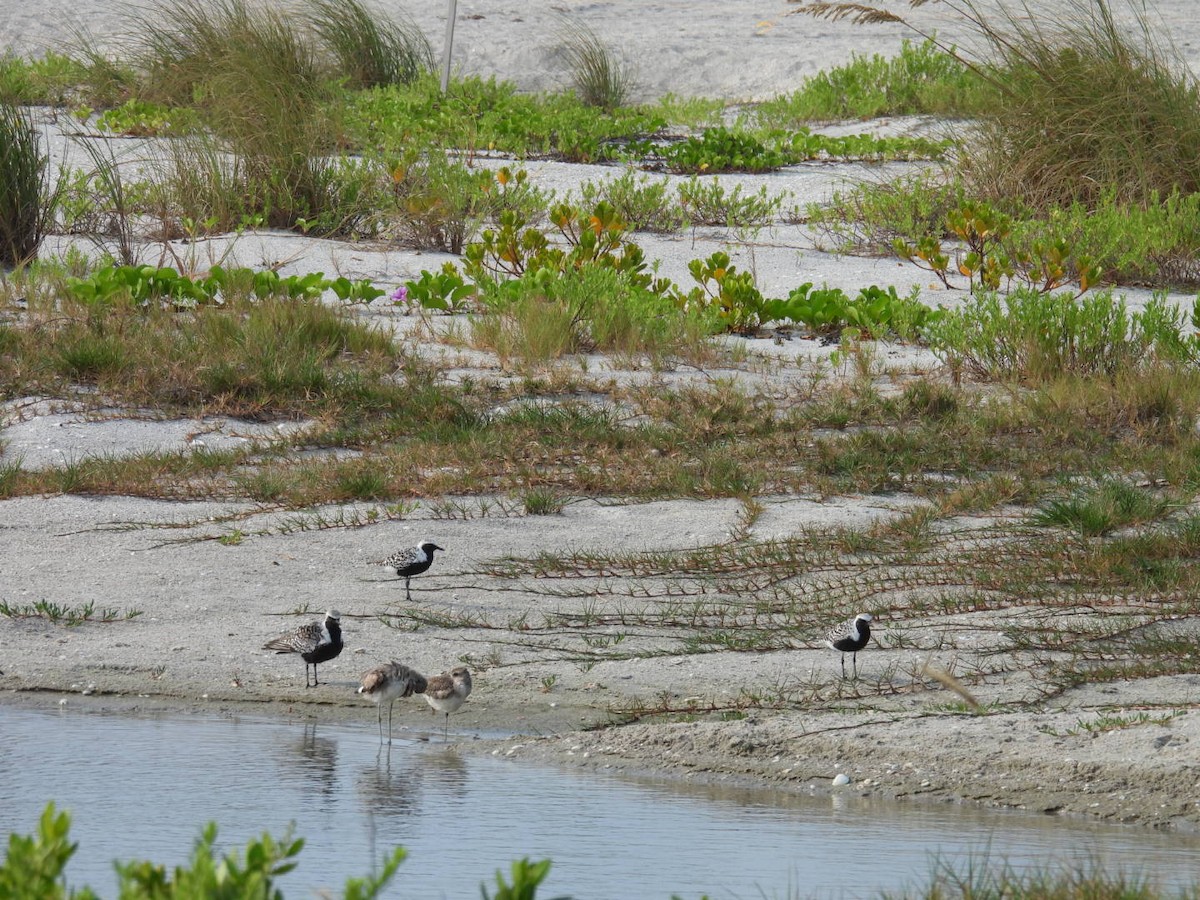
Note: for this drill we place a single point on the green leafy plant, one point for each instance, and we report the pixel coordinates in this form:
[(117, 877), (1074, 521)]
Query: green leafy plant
[(141, 118), (1028, 335), (595, 238), (922, 79), (721, 149), (143, 284), (989, 257), (208, 875), (724, 149), (732, 295), (476, 113), (645, 204), (707, 202), (527, 876), (33, 865), (804, 144), (43, 81), (444, 290), (875, 310)]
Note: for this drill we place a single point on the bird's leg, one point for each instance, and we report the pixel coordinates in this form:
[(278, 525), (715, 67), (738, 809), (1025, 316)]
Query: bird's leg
[(843, 665), (379, 716), (407, 590), (854, 656), (390, 705)]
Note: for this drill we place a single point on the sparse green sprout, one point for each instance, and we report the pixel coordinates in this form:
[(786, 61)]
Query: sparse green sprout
[(542, 502), (62, 614)]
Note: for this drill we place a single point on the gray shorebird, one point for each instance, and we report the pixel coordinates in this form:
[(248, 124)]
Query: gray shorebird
[(316, 642), (388, 683), (412, 561), (850, 637), (448, 691)]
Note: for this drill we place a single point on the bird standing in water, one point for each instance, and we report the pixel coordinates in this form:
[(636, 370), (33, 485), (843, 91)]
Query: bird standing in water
[(389, 683)]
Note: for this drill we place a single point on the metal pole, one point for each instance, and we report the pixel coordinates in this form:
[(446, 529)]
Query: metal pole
[(452, 6)]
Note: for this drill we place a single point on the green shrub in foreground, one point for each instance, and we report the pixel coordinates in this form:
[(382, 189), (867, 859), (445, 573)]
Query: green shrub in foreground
[(34, 869)]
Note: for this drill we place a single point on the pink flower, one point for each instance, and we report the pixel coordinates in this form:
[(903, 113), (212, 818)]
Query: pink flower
[(400, 294)]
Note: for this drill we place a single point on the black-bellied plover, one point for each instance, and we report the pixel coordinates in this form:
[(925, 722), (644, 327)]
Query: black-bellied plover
[(388, 683), (448, 691), (850, 637), (413, 561), (316, 642)]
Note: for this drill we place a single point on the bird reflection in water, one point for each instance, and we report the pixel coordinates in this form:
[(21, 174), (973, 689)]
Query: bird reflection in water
[(312, 759), (391, 790), (388, 792), (445, 772)]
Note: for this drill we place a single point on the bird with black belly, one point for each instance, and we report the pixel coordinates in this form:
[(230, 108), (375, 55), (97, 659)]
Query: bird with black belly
[(412, 561), (850, 637), (316, 642)]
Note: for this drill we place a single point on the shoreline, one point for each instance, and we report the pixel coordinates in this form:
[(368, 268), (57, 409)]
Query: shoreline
[(1022, 761), (204, 606)]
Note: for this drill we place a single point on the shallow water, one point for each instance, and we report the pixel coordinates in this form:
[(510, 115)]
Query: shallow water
[(142, 787)]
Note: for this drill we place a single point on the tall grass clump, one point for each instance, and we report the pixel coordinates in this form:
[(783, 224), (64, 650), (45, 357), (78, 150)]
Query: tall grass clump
[(1102, 508), (1088, 99), (27, 198), (1091, 101), (258, 84), (598, 76), (368, 51)]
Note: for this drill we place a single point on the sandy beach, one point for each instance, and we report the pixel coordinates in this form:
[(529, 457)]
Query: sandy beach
[(205, 605)]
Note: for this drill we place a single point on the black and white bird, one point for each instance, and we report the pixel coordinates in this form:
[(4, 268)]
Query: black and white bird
[(850, 637), (388, 683), (413, 561), (448, 691), (316, 642)]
